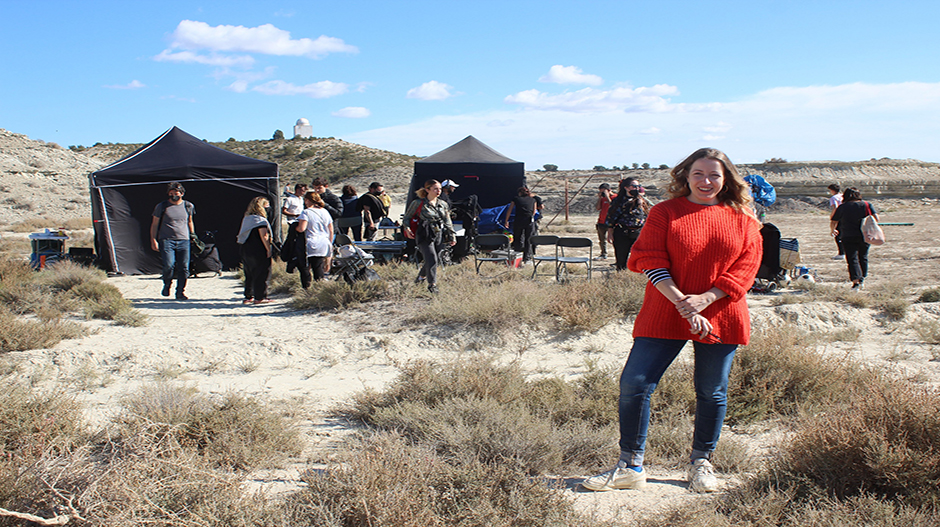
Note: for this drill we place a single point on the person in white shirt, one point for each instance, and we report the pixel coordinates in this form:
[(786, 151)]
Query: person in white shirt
[(317, 225), (294, 204), (835, 199)]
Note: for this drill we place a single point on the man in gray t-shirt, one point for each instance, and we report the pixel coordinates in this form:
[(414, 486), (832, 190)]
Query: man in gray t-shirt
[(170, 233)]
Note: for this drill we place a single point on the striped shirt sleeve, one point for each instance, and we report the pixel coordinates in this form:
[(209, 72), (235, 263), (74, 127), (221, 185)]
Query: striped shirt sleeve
[(657, 275)]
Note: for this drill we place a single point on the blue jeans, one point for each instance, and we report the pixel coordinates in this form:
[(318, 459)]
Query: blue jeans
[(646, 365), (175, 255)]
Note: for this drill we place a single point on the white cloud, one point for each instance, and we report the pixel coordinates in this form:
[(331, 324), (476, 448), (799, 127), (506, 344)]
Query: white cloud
[(719, 128), (559, 74), (590, 100), (353, 112), (213, 59), (431, 91), (316, 90), (266, 39), (846, 122), (242, 78), (132, 85)]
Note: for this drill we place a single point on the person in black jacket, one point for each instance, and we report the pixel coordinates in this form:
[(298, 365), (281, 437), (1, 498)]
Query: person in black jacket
[(625, 218), (523, 224), (331, 202), (373, 209), (255, 247), (846, 223)]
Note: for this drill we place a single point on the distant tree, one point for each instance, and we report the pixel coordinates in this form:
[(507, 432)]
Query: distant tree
[(646, 166), (776, 160), (278, 136), (231, 140), (664, 166), (550, 168), (636, 166), (599, 168)]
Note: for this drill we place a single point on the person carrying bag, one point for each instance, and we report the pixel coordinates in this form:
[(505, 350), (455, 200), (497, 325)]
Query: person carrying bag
[(870, 228)]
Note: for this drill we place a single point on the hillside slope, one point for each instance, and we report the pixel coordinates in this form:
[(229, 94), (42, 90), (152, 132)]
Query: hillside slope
[(44, 180)]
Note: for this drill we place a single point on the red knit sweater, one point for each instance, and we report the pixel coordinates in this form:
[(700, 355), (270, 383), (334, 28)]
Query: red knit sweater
[(703, 247)]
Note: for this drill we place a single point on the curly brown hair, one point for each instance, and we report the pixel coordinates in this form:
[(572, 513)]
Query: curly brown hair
[(735, 193)]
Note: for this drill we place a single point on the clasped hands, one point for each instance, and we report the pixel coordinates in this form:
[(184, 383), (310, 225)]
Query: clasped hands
[(690, 307)]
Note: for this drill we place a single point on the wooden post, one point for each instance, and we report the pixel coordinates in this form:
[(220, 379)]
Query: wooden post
[(566, 199)]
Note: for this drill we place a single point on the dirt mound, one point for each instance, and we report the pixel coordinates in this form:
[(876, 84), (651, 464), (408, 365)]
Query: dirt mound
[(39, 179)]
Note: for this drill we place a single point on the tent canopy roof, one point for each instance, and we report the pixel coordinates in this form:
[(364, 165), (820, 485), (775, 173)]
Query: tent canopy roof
[(175, 149), (469, 150)]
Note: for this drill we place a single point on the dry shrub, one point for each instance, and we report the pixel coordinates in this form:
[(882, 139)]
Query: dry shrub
[(63, 275), (34, 426), (781, 373), (140, 471), (331, 294), (149, 487), (474, 408), (881, 442), (748, 506), (816, 293), (18, 334), (50, 294), (32, 422), (511, 300), (232, 432), (386, 480), (40, 224), (281, 282), (503, 303), (589, 306), (14, 271), (930, 295)]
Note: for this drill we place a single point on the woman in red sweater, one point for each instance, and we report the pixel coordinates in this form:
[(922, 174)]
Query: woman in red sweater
[(701, 250)]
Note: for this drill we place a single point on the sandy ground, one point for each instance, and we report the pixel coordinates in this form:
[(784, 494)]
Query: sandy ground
[(216, 344)]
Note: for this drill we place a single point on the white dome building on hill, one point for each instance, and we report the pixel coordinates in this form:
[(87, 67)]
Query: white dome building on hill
[(303, 129)]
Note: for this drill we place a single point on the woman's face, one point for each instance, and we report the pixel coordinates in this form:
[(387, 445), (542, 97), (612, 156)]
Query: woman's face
[(706, 179), (434, 191)]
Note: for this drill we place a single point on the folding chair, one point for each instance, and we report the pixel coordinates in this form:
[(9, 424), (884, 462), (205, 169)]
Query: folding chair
[(562, 260), (492, 248), (542, 239)]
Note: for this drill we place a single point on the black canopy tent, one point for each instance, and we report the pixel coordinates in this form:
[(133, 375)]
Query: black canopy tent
[(477, 168), (218, 182)]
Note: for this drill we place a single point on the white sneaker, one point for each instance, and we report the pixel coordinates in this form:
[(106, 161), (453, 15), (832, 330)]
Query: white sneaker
[(618, 478), (702, 476)]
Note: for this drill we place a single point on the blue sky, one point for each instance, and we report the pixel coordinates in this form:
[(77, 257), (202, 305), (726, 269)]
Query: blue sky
[(576, 84)]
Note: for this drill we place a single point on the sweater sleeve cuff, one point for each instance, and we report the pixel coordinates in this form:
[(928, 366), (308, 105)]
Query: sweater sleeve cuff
[(734, 290)]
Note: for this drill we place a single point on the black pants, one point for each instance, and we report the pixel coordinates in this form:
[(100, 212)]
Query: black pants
[(430, 249), (623, 242), (522, 237), (257, 269), (315, 265), (856, 256)]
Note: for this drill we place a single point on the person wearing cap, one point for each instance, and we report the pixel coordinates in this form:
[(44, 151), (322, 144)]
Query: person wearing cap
[(170, 234), (604, 197), (447, 188)]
